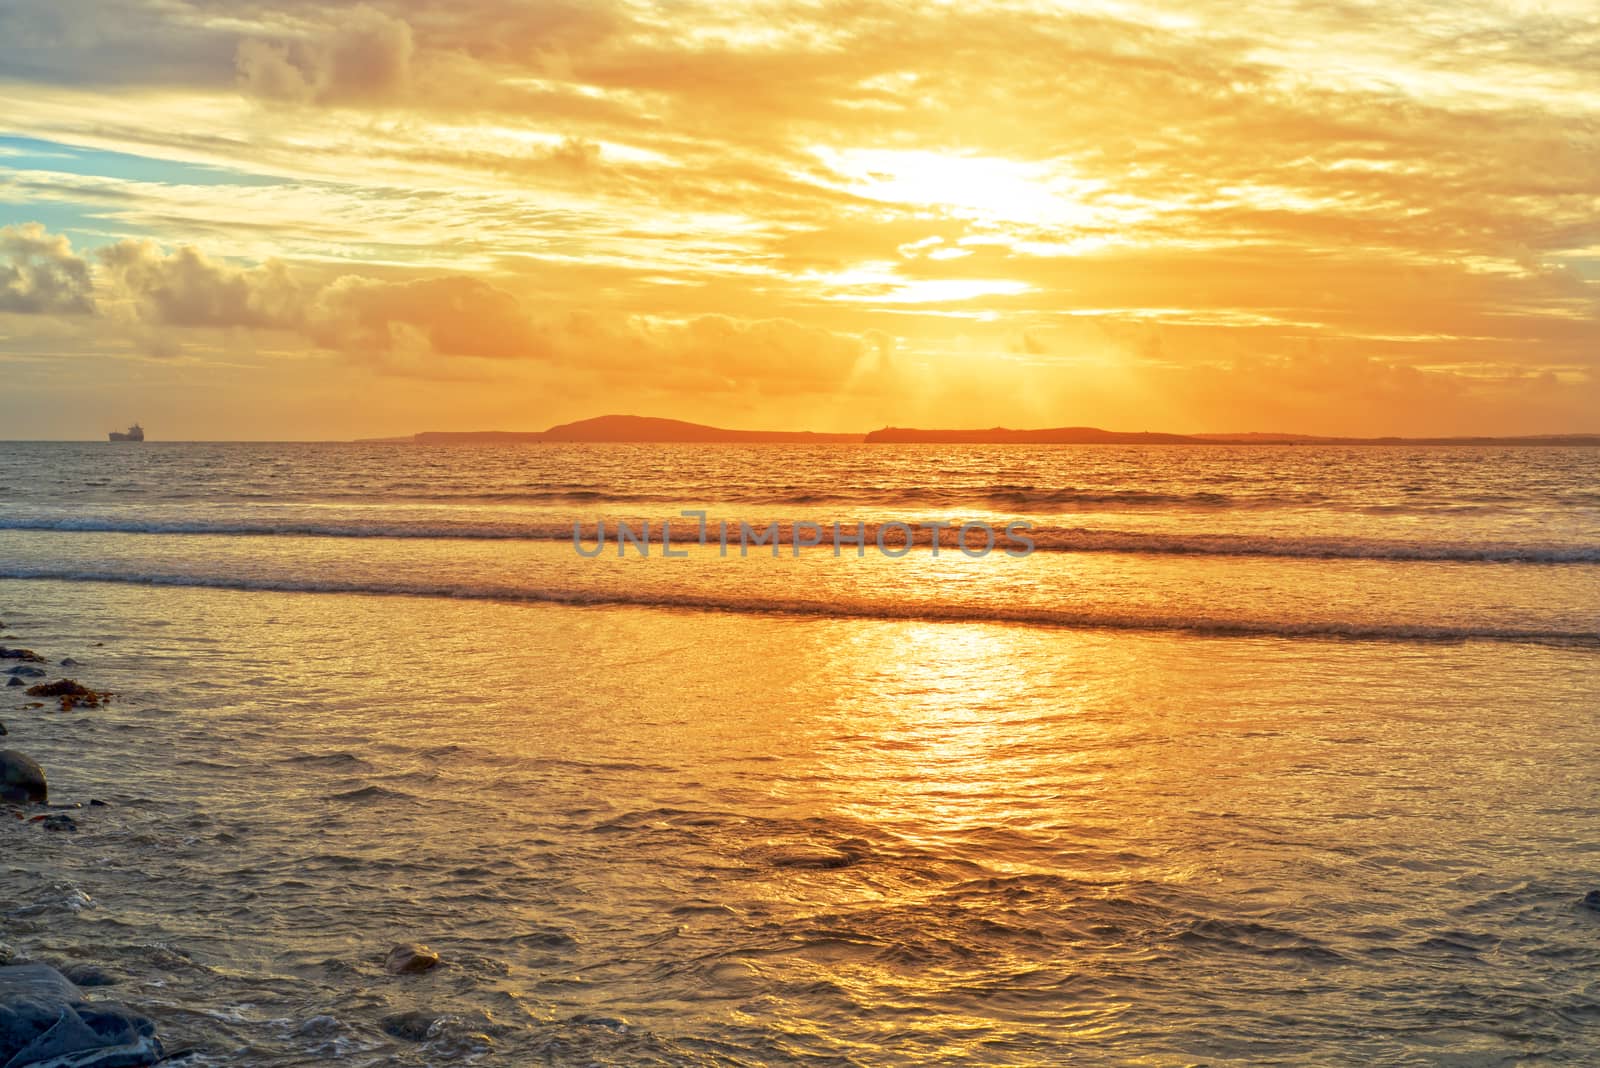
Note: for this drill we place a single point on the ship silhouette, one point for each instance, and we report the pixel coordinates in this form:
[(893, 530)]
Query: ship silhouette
[(134, 433)]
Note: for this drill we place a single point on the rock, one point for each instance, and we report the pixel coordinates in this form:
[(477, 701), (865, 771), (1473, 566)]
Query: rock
[(59, 822), (27, 656), (45, 1021), (805, 855), (1591, 900), (21, 780), (411, 1026), (27, 671), (410, 958), (67, 662), (59, 688), (3, 731), (820, 859), (95, 802), (82, 974), (71, 694), (14, 681)]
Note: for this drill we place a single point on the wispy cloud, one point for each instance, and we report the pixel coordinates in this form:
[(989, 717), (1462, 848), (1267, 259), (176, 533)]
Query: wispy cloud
[(1392, 202)]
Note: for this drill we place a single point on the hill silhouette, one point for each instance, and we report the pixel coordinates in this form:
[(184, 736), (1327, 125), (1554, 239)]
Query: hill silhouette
[(623, 428), (644, 429), (1065, 435)]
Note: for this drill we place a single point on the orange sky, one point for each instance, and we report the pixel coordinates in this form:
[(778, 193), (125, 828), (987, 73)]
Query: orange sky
[(310, 219)]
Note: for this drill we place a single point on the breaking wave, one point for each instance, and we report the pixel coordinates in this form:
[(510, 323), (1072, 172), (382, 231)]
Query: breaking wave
[(684, 532)]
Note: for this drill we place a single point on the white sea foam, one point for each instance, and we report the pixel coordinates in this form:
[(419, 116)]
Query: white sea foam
[(1046, 538)]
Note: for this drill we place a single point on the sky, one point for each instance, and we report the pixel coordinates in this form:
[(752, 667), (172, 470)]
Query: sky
[(307, 219)]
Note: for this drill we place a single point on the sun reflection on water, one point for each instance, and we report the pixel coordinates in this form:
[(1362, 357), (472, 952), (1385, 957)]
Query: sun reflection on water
[(946, 735)]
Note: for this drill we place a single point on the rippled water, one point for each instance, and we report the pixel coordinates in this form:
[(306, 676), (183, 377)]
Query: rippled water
[(1227, 800)]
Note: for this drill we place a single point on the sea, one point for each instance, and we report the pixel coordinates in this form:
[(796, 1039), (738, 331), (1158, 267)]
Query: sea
[(1259, 755)]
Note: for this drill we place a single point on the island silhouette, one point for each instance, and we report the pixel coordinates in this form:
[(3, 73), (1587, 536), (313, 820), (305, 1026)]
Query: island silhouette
[(648, 429)]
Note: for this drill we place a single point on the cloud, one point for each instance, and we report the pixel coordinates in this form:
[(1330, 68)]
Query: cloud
[(626, 190), (267, 70), (40, 275), (718, 354), (366, 60), (121, 43), (454, 316), (406, 326), (185, 288)]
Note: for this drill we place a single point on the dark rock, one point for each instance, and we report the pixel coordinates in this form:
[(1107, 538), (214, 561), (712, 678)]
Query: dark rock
[(95, 802), (21, 780), (3, 731), (410, 958), (14, 681), (27, 656), (44, 1020), (59, 688), (411, 1026), (71, 694), (27, 671), (82, 973), (795, 855), (1591, 900), (67, 662), (59, 822)]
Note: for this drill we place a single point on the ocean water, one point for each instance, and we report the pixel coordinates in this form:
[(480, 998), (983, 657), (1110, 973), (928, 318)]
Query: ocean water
[(1276, 755)]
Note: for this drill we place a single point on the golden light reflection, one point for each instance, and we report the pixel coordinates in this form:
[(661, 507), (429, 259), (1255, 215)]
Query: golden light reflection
[(935, 726)]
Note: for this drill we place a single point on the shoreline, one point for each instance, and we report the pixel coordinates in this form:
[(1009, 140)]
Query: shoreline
[(544, 853), (55, 1005), (45, 1016)]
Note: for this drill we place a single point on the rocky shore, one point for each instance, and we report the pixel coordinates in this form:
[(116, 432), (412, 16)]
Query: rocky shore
[(46, 1017)]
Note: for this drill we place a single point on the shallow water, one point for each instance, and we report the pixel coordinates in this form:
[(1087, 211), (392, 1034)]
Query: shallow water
[(1035, 811)]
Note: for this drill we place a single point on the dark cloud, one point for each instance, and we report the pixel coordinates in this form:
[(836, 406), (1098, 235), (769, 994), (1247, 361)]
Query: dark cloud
[(123, 43), (366, 59)]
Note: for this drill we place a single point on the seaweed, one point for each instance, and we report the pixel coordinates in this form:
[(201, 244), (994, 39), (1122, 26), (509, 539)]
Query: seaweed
[(72, 694)]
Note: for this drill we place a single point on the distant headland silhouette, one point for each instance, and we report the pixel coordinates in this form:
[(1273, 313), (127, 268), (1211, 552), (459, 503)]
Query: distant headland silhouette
[(646, 429), (622, 428)]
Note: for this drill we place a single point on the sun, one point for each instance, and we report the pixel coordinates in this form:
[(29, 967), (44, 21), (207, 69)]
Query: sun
[(980, 188)]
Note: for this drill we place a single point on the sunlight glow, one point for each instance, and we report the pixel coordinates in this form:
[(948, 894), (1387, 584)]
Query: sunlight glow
[(879, 283), (965, 186)]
